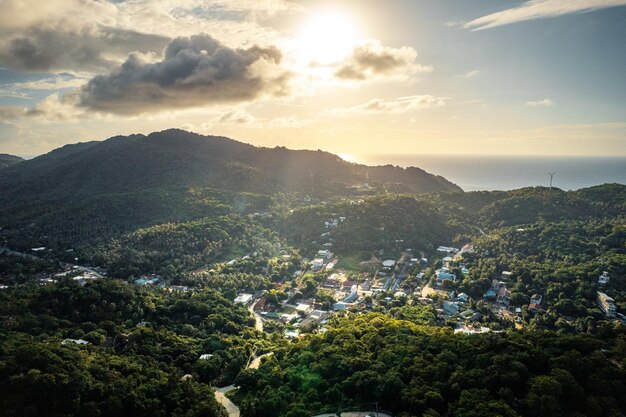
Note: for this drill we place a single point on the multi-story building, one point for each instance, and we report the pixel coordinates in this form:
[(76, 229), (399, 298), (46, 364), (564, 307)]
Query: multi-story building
[(607, 304)]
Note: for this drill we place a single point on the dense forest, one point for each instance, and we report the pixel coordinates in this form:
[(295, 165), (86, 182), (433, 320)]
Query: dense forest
[(141, 344), (172, 248), (414, 370)]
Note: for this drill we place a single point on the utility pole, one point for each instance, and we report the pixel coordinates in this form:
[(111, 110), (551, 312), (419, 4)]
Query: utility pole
[(551, 174)]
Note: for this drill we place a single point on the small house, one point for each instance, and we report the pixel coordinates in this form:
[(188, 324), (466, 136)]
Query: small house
[(604, 278)]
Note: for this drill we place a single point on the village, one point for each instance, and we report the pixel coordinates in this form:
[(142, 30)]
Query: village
[(321, 288)]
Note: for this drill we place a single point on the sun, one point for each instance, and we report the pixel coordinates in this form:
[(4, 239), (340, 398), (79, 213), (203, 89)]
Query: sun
[(327, 37)]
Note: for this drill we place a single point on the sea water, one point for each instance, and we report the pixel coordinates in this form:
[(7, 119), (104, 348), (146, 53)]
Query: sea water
[(474, 173)]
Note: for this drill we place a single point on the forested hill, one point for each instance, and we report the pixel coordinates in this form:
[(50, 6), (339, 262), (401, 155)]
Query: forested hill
[(177, 157), (7, 160)]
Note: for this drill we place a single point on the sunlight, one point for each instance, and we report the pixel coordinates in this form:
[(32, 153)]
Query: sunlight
[(348, 157), (326, 38)]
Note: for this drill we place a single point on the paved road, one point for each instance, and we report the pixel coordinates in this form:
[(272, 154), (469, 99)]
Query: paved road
[(232, 409)]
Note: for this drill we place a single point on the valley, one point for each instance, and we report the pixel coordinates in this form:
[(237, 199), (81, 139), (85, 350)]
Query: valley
[(298, 301)]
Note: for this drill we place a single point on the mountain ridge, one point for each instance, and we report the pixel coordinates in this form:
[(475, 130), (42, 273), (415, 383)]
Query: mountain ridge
[(99, 189), (7, 160), (125, 163)]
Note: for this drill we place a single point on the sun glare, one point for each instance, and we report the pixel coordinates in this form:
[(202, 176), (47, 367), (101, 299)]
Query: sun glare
[(348, 157), (327, 37)]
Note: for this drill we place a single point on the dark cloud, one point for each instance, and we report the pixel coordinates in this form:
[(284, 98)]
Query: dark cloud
[(46, 49), (372, 59), (194, 71)]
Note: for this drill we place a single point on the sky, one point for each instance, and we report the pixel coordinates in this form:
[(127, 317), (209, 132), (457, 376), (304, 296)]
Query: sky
[(458, 77)]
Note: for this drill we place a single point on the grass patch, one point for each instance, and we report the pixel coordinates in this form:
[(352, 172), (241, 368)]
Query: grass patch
[(288, 310), (352, 262)]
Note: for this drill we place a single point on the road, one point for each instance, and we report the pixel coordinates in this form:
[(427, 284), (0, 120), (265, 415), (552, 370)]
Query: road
[(220, 396), (258, 321), (254, 364), (220, 393)]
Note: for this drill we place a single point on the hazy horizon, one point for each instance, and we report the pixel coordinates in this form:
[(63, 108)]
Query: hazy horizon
[(508, 172), (473, 172)]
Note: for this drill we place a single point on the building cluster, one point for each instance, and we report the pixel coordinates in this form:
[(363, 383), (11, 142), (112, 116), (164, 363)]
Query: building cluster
[(147, 280), (323, 260)]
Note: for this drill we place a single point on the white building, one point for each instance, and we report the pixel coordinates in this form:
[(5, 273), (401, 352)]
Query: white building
[(317, 264), (303, 307), (244, 299), (74, 341), (604, 278), (506, 275), (447, 249), (390, 263), (606, 304)]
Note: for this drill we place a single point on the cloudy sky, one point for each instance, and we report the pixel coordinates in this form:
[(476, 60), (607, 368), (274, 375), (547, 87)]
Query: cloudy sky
[(538, 77)]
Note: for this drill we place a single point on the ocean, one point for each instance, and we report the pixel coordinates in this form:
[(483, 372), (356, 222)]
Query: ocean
[(473, 173)]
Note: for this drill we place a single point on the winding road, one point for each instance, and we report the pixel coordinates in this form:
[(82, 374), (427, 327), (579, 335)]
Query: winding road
[(220, 396), (220, 393)]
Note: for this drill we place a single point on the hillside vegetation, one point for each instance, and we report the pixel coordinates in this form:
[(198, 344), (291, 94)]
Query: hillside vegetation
[(126, 182), (7, 160), (414, 370)]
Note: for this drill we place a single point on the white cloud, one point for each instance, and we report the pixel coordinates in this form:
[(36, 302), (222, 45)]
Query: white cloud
[(396, 105), (95, 36), (454, 24), (238, 117), (242, 117), (536, 9), (469, 74), (371, 59), (289, 122), (55, 107), (546, 102), (51, 83), (11, 112)]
